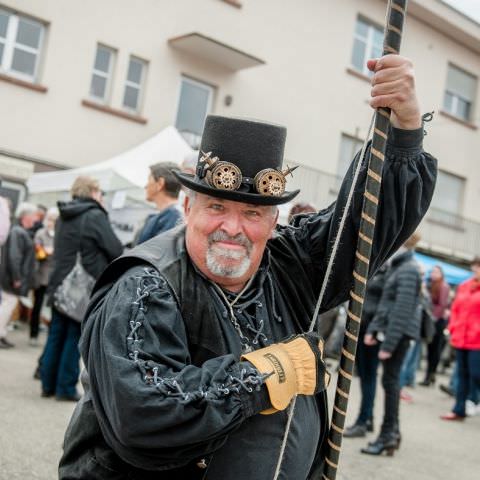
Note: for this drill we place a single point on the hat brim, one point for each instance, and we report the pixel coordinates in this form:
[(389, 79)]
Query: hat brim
[(188, 180)]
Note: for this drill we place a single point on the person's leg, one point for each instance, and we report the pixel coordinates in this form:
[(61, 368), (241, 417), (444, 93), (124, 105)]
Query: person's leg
[(69, 368), (438, 343), (39, 295), (474, 369), (431, 348), (52, 352), (361, 370), (409, 366), (454, 378), (391, 385), (463, 382), (9, 302), (369, 383)]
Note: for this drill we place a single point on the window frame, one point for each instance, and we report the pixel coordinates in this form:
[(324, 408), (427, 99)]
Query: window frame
[(369, 43), (100, 73), (462, 182), (199, 83), (140, 86), (10, 44), (457, 97)]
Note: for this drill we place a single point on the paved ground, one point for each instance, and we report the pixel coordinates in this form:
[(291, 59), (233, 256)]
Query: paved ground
[(31, 432)]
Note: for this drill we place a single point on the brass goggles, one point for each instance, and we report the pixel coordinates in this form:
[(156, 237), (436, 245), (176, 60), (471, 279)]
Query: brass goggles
[(227, 176)]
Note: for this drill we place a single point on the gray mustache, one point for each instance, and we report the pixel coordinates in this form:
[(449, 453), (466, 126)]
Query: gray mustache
[(240, 239)]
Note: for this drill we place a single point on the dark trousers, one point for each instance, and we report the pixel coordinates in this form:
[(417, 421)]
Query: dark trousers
[(367, 365), (391, 385), (468, 362), (435, 347), (39, 295), (60, 360)]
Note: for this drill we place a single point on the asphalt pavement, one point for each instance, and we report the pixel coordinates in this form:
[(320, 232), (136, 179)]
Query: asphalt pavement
[(32, 428)]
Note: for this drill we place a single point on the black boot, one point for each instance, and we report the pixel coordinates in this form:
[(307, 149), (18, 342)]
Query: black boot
[(429, 380), (384, 443), (370, 425), (357, 430)]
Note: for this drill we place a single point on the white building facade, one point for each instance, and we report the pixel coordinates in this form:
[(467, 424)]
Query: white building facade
[(83, 81)]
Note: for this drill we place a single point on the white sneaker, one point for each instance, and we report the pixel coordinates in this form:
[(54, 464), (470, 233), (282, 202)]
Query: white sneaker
[(471, 409), (33, 342)]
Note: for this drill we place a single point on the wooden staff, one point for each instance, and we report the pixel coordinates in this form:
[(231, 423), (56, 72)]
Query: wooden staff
[(391, 44)]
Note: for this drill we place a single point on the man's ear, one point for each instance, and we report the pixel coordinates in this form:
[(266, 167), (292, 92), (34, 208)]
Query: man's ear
[(160, 184), (274, 223), (186, 208)]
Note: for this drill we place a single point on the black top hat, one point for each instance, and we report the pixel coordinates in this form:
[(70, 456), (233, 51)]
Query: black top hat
[(241, 160)]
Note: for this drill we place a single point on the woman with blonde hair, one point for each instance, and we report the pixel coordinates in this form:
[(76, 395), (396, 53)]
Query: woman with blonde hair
[(83, 230)]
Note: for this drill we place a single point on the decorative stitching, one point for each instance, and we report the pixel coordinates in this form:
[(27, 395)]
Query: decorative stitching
[(148, 282), (249, 380)]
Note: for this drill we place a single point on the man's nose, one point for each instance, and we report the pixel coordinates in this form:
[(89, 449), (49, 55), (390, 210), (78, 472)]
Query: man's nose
[(232, 225)]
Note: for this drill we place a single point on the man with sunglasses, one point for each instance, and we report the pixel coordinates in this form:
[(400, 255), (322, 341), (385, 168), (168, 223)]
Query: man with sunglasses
[(193, 342)]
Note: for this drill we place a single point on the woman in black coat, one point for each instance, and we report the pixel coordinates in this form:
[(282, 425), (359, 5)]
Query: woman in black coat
[(83, 226), (396, 322)]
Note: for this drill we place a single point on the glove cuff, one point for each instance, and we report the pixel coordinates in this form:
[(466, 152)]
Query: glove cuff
[(282, 382)]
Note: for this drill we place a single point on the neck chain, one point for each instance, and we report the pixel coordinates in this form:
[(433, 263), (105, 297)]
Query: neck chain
[(246, 347)]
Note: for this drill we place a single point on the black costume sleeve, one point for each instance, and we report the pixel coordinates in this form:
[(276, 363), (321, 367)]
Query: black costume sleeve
[(156, 409), (409, 176)]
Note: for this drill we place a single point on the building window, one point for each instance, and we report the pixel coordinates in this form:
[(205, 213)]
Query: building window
[(460, 93), (194, 104), (134, 84), (349, 146), (447, 201), (102, 74), (21, 40), (367, 43)]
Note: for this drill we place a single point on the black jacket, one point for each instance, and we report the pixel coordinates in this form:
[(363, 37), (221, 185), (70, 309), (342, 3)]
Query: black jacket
[(398, 314), (164, 384), (18, 261), (373, 295), (82, 224)]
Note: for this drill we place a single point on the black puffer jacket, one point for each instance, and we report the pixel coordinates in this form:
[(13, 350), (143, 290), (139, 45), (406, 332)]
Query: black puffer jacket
[(372, 297), (18, 261), (397, 313), (82, 222)]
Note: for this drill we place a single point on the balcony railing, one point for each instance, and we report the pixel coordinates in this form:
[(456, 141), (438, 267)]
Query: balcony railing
[(442, 232)]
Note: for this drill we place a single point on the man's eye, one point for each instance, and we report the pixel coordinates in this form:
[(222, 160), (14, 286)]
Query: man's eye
[(218, 207), (252, 213)]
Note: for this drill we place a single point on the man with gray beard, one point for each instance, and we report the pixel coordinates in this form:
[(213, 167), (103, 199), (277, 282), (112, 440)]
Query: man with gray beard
[(215, 251), (193, 343)]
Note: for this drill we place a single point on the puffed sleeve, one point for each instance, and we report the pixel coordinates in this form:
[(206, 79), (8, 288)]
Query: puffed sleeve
[(408, 182), (156, 409)]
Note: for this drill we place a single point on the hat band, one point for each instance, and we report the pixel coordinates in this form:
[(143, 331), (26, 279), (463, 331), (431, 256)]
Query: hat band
[(223, 175)]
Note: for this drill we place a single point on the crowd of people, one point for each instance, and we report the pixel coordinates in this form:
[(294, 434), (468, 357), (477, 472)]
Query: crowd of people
[(195, 340), (407, 313), (40, 248)]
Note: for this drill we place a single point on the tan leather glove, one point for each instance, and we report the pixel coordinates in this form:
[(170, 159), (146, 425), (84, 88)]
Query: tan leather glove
[(296, 368)]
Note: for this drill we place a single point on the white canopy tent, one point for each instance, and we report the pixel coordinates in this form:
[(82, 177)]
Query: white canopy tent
[(128, 169), (122, 177)]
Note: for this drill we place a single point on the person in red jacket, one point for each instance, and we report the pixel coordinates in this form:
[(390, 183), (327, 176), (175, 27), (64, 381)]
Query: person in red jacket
[(464, 327)]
